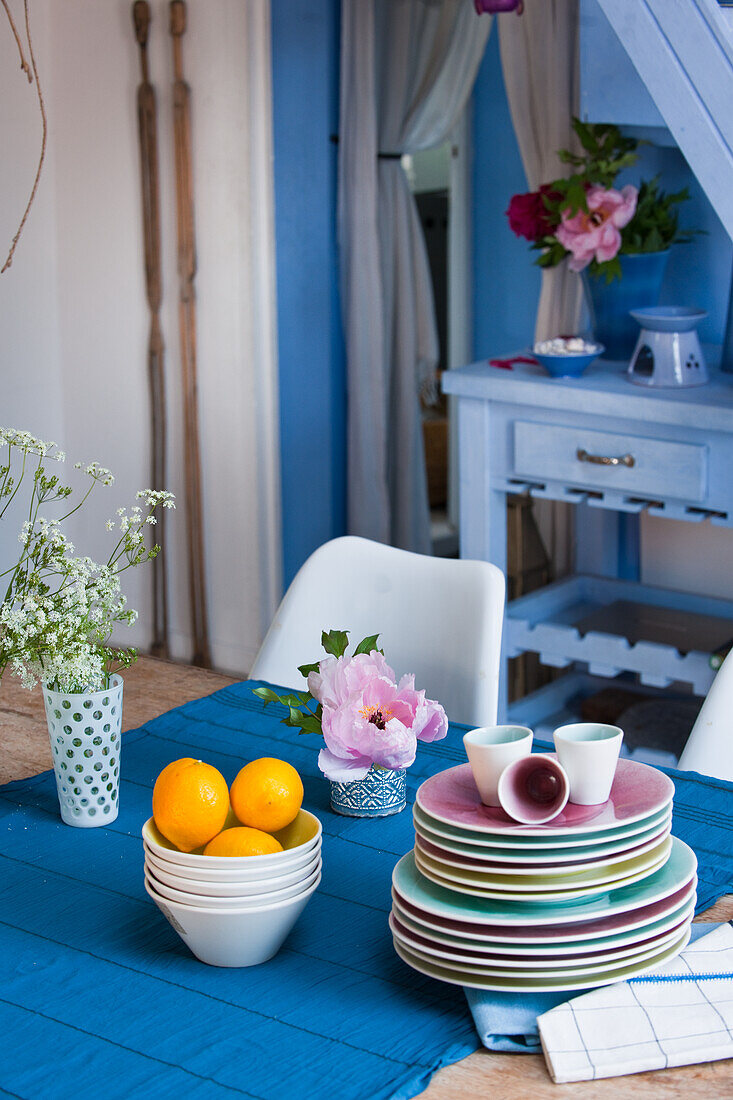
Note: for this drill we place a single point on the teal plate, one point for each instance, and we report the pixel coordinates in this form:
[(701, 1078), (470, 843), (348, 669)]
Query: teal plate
[(431, 898)]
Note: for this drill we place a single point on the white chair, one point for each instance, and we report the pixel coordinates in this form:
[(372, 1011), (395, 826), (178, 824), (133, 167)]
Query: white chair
[(709, 747), (439, 618)]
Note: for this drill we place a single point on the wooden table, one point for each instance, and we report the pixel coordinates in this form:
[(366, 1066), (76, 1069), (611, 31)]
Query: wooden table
[(154, 686)]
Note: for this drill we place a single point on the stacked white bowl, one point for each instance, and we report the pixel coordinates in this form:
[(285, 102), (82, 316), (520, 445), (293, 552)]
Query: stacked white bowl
[(234, 910)]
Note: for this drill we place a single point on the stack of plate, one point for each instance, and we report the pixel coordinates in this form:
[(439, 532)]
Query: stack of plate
[(597, 895)]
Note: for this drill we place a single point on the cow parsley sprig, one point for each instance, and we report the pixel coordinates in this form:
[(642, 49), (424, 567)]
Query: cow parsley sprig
[(60, 609)]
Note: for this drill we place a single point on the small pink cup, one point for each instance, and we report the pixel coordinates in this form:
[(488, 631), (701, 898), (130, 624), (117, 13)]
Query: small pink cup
[(534, 789)]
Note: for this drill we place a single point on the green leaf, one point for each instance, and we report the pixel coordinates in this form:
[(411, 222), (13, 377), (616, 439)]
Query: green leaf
[(366, 645), (305, 670), (293, 699), (310, 724), (335, 642), (267, 695), (576, 195), (306, 723)]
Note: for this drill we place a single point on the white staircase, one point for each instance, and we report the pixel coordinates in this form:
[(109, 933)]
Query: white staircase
[(683, 51)]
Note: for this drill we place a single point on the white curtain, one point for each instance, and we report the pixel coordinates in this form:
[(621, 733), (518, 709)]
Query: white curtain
[(539, 55), (407, 69)]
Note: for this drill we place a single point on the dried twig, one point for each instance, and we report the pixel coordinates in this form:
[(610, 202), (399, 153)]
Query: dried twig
[(148, 135), (42, 106), (187, 326)]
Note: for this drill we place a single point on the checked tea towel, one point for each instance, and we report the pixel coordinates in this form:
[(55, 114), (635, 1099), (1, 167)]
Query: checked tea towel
[(680, 1014)]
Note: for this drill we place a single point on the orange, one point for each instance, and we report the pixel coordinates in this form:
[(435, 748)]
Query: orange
[(267, 794), (190, 803), (241, 841)]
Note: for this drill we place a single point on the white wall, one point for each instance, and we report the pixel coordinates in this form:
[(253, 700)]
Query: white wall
[(73, 312)]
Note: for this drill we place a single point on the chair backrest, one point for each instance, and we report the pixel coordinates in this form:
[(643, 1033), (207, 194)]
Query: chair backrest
[(709, 747), (437, 617)]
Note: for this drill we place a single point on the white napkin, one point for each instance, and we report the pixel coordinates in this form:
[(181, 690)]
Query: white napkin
[(679, 1014)]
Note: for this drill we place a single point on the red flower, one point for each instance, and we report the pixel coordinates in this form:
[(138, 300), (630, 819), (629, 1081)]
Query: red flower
[(528, 216), (496, 5)]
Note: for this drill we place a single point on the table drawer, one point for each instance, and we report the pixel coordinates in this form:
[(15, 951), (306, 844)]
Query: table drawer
[(635, 464)]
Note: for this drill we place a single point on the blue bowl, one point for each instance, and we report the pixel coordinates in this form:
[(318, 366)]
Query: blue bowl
[(569, 365)]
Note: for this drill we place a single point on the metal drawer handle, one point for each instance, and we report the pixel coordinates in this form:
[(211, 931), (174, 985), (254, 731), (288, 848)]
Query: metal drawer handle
[(605, 460)]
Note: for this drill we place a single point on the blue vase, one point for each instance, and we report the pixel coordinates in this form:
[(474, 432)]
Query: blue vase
[(381, 792), (639, 286)]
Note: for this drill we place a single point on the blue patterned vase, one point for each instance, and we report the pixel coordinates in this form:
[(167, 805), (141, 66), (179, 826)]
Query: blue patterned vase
[(379, 793)]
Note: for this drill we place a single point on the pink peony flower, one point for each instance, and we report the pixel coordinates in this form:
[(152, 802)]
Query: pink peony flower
[(374, 726), (594, 234), (368, 718), (429, 722), (340, 677)]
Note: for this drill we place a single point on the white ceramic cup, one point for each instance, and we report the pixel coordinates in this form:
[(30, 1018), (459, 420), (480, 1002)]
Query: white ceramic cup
[(534, 790), (588, 751), (490, 749)]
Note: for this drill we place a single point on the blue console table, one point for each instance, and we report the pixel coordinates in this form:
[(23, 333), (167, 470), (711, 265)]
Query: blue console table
[(615, 450)]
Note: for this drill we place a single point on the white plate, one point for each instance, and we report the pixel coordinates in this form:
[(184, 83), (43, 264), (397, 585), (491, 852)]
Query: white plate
[(536, 966), (553, 872), (456, 976), (536, 893), (410, 884), (546, 845), (502, 945)]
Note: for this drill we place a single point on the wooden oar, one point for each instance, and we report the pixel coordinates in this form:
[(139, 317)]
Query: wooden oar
[(187, 323), (148, 135)]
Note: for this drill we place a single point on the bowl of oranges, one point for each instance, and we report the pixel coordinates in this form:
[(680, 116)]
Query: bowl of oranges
[(231, 868)]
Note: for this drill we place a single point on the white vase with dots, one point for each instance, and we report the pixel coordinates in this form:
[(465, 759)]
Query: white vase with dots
[(85, 730)]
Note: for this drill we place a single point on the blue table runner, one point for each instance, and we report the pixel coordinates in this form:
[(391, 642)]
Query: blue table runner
[(99, 993)]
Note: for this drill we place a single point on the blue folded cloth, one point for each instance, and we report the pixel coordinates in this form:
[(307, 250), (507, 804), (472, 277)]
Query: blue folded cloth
[(508, 1021)]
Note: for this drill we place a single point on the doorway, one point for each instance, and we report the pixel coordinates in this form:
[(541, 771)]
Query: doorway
[(439, 180)]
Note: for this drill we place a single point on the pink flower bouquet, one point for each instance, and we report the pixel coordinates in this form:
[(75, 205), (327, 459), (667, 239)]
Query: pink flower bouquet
[(365, 715), (586, 219)]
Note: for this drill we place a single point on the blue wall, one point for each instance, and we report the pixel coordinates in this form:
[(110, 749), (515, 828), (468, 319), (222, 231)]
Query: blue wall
[(305, 47), (506, 281), (699, 273), (506, 284)]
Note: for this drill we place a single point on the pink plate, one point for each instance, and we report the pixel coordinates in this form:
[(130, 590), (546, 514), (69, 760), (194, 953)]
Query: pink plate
[(478, 956), (638, 791), (604, 925), (626, 938)]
